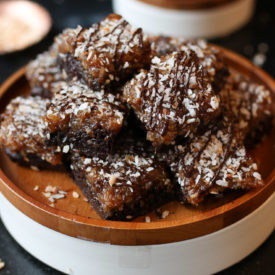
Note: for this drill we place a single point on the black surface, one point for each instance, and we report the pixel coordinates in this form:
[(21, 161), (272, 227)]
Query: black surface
[(71, 13)]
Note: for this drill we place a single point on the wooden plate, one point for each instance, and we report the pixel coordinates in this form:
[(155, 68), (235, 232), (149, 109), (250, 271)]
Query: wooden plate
[(74, 217)]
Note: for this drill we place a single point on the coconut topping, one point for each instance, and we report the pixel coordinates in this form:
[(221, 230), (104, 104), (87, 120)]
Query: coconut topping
[(174, 98), (23, 132), (76, 103), (248, 105), (209, 56), (80, 118), (107, 51), (126, 177), (216, 158), (44, 75)]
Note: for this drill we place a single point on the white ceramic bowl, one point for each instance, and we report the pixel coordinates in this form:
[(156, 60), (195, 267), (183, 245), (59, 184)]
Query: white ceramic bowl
[(204, 255), (206, 23)]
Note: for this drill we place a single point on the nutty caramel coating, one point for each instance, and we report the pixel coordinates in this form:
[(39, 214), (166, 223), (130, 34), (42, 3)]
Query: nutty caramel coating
[(22, 132), (44, 75), (174, 98), (123, 185), (107, 51), (80, 118)]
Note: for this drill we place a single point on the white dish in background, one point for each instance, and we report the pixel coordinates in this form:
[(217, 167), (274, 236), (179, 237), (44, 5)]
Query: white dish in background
[(206, 23)]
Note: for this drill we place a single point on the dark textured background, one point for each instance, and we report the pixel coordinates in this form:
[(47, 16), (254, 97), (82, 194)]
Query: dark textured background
[(248, 42)]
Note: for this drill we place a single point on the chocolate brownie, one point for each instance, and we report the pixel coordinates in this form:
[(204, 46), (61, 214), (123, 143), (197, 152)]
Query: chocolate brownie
[(85, 120), (125, 184), (106, 52), (44, 75), (22, 133), (174, 98), (210, 163), (249, 105)]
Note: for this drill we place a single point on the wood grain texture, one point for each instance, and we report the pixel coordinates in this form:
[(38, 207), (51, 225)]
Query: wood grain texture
[(74, 217), (188, 4)]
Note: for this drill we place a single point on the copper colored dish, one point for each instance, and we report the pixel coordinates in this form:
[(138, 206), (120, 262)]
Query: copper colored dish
[(74, 217), (22, 24)]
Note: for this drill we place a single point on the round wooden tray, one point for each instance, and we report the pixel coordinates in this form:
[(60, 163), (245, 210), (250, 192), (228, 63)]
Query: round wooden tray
[(74, 217)]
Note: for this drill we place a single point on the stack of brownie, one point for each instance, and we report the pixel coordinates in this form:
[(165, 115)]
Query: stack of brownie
[(137, 121)]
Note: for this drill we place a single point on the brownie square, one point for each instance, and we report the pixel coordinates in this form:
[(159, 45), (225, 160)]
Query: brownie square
[(44, 74), (210, 163), (108, 51), (22, 133), (123, 185), (174, 98), (210, 57), (250, 107), (82, 119)]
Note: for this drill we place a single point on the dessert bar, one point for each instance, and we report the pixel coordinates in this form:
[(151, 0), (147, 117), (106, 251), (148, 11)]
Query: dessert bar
[(174, 98), (210, 57), (85, 120), (249, 105), (124, 185), (22, 133), (210, 163), (44, 75), (106, 52)]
